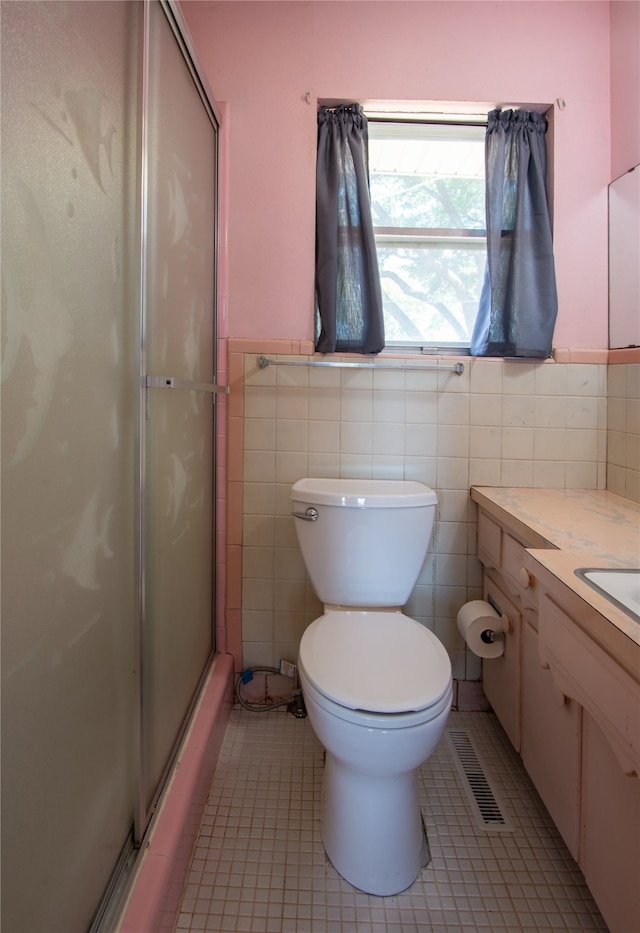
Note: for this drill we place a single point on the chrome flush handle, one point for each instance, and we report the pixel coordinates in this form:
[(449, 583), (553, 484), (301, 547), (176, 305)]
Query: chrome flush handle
[(311, 514)]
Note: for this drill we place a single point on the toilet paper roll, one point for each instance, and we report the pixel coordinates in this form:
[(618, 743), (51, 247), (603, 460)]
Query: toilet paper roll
[(482, 628)]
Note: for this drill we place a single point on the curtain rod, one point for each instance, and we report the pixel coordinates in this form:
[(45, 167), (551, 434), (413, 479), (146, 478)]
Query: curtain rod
[(458, 368), (429, 120)]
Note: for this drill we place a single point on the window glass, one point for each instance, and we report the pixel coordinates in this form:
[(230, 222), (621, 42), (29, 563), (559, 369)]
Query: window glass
[(427, 198)]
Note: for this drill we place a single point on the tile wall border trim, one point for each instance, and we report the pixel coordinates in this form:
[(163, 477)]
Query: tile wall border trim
[(624, 355), (560, 354)]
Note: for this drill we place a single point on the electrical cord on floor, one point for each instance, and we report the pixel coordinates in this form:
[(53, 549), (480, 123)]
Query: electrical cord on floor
[(294, 703)]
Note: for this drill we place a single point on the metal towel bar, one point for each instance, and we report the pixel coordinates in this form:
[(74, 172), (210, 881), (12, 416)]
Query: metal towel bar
[(264, 361)]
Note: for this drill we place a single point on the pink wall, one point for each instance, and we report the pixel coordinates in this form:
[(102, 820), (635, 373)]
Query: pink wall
[(262, 57)]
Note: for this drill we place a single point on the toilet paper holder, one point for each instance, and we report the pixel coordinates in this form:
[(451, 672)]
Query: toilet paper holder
[(483, 628), (489, 636)]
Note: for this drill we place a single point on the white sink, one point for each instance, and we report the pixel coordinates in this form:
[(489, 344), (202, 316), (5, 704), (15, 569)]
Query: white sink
[(621, 586)]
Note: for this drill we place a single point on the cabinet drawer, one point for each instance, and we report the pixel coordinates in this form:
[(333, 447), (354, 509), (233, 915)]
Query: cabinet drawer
[(517, 577), (489, 542), (498, 550), (512, 559)]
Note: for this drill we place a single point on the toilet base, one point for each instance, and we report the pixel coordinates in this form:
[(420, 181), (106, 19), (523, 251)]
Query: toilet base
[(372, 828)]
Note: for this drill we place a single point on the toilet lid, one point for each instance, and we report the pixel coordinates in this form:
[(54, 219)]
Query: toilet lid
[(380, 662)]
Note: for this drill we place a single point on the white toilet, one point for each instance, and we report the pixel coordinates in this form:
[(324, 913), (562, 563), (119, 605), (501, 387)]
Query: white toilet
[(376, 684)]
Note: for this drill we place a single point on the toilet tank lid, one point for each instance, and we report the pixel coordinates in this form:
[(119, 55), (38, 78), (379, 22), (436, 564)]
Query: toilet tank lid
[(363, 493)]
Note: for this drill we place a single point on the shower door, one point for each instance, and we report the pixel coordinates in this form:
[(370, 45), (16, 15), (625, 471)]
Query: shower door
[(109, 161), (69, 399), (178, 394)]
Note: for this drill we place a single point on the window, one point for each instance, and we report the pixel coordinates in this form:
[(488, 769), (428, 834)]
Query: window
[(428, 207)]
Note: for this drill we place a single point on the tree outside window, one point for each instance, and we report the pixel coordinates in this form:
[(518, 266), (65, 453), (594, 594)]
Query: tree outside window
[(427, 185)]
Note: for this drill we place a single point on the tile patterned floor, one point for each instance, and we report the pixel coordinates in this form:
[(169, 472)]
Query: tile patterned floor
[(259, 864)]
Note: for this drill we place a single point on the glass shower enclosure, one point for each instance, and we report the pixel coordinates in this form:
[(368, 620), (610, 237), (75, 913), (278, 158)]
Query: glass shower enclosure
[(109, 166)]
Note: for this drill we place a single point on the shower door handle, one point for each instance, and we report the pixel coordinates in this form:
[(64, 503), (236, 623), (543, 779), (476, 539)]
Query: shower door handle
[(173, 382)]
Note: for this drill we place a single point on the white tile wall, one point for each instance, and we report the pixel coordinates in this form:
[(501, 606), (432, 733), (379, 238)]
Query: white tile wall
[(500, 423), (623, 453)]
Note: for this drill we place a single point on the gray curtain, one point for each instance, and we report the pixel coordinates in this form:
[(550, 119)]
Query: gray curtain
[(347, 285), (518, 303)]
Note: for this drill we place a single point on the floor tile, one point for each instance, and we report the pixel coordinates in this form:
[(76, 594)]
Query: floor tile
[(259, 865)]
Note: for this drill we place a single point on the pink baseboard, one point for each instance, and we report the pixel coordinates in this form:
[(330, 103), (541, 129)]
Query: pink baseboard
[(154, 899)]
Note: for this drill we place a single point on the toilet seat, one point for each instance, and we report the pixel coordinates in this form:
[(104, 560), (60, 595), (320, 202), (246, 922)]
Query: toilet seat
[(375, 661)]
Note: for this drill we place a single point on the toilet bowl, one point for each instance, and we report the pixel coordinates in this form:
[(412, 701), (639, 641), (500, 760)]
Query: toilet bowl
[(377, 684)]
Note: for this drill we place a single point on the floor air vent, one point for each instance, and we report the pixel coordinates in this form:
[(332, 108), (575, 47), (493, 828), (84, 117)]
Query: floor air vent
[(488, 811)]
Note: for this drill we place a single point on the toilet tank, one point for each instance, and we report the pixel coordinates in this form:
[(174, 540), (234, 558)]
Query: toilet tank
[(369, 541)]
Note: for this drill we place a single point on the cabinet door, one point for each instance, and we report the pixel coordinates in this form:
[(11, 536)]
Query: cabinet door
[(610, 849), (551, 741), (501, 676)]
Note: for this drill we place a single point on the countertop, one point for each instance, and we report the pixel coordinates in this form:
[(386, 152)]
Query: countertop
[(571, 528)]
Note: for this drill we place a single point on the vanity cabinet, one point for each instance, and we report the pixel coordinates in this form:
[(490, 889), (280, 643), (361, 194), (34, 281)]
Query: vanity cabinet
[(542, 723), (609, 697), (567, 693)]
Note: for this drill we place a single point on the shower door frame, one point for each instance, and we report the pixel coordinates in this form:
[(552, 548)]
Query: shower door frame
[(143, 811)]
